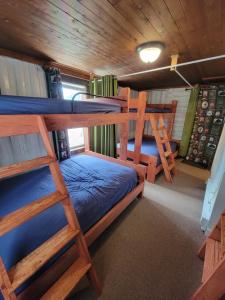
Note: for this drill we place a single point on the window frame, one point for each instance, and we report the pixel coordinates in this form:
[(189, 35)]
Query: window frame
[(79, 87)]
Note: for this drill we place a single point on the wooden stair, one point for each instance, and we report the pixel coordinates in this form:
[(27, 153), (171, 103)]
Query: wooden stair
[(66, 283), (212, 258), (213, 277), (36, 259), (163, 145), (29, 265)]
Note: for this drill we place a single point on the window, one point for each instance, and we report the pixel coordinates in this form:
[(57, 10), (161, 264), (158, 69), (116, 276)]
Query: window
[(76, 135)]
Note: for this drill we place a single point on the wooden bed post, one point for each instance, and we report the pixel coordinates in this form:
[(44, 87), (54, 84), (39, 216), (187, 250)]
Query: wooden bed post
[(124, 129), (171, 121), (87, 138), (125, 93), (151, 169), (139, 125)]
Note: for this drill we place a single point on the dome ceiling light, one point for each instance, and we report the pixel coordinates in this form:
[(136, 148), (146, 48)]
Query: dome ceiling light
[(150, 51)]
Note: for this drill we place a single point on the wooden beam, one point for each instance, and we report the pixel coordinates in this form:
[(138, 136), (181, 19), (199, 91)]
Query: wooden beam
[(25, 124), (66, 70), (58, 122), (216, 78), (70, 71), (22, 56)]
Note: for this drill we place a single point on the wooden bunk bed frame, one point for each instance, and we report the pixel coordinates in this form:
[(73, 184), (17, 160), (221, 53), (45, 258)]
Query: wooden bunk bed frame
[(161, 133), (11, 125)]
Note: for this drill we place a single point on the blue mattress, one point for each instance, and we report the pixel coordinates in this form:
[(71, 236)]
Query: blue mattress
[(94, 185), (149, 147), (14, 105), (154, 110)]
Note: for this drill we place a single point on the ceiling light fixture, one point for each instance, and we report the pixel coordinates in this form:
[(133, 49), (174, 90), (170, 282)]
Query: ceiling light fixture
[(150, 51)]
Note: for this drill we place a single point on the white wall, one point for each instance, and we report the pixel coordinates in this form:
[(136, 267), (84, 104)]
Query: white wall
[(214, 200), (21, 79), (166, 96)]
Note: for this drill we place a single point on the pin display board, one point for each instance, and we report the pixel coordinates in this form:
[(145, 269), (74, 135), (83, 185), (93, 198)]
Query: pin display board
[(208, 125)]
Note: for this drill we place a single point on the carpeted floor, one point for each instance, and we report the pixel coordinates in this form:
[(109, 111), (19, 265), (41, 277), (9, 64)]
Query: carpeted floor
[(150, 250)]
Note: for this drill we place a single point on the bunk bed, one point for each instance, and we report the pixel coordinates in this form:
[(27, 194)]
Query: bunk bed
[(83, 182), (148, 149)]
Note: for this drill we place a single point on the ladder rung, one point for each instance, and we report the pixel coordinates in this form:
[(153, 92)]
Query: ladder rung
[(212, 258), (161, 128), (24, 166), (223, 234), (36, 259), (164, 141), (171, 166), (68, 281), (167, 153), (27, 212)]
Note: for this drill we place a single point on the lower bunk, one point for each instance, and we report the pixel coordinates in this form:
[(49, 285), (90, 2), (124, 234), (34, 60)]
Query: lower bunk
[(150, 156), (100, 189)]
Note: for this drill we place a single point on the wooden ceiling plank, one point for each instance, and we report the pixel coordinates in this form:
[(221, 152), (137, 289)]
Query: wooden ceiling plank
[(169, 39), (74, 9), (127, 9), (91, 5), (100, 36), (213, 23), (205, 32), (95, 11), (196, 28), (37, 32), (178, 16), (100, 47), (107, 11), (188, 33), (103, 8), (87, 23), (68, 23), (161, 9)]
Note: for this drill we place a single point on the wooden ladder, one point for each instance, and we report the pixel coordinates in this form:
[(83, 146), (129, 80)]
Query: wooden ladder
[(10, 280), (163, 144), (213, 254)]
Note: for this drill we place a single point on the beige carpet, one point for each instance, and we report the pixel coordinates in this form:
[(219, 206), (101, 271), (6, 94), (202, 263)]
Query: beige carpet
[(150, 251)]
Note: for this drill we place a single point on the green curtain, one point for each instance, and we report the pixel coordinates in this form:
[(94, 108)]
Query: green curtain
[(189, 121), (103, 138)]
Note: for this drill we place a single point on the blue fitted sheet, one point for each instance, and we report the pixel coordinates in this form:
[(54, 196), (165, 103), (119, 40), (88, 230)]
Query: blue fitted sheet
[(149, 147), (154, 110), (14, 105), (94, 185)]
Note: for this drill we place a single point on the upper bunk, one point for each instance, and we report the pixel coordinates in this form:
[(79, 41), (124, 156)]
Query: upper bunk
[(61, 114), (18, 113), (17, 105), (136, 104)]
